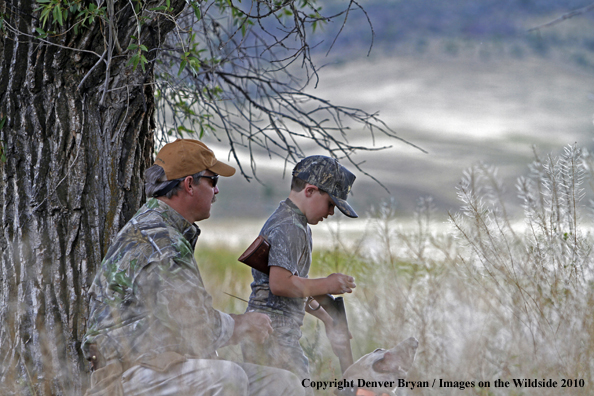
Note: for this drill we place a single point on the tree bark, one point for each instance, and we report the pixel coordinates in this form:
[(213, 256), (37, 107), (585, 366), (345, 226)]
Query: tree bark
[(72, 178)]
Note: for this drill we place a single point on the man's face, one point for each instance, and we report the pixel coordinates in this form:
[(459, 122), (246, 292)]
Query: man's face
[(204, 196), (320, 206)]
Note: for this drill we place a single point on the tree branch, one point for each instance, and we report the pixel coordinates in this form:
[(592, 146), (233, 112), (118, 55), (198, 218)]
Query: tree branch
[(563, 17)]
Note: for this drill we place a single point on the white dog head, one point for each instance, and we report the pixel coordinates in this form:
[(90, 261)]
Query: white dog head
[(380, 370)]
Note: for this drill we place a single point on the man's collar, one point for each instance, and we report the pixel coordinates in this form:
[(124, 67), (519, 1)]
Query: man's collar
[(171, 216)]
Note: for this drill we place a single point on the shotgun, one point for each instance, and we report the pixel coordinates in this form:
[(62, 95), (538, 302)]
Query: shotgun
[(256, 256)]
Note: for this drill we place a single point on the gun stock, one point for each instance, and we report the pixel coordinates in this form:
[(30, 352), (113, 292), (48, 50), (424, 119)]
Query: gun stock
[(334, 306), (256, 255)]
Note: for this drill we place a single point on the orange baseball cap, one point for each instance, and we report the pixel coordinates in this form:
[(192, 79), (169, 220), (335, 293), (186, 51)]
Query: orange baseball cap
[(186, 157)]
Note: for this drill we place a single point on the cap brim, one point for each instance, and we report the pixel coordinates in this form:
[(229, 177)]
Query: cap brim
[(344, 207), (222, 169)]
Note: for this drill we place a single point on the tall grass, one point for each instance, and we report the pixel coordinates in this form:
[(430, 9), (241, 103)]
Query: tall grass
[(536, 281), (507, 293), (499, 296)]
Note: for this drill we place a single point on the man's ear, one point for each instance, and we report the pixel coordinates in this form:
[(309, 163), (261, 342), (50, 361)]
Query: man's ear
[(187, 185)]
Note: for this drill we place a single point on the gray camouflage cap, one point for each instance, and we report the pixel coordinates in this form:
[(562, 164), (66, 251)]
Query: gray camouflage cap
[(328, 175)]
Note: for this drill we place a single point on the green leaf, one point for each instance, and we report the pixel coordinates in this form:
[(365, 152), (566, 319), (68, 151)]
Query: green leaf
[(197, 11), (143, 62), (58, 16), (182, 66), (2, 122), (143, 48), (134, 61), (194, 64), (45, 15), (184, 129)]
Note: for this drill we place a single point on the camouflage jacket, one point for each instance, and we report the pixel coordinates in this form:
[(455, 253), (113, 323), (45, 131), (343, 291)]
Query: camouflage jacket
[(290, 248), (148, 296)]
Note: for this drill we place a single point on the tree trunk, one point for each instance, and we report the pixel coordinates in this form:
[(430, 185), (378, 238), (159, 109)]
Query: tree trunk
[(72, 178)]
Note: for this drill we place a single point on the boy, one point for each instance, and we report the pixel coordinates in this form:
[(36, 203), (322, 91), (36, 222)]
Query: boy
[(319, 185)]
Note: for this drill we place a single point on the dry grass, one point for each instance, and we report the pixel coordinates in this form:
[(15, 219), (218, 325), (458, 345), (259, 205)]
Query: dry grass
[(492, 299)]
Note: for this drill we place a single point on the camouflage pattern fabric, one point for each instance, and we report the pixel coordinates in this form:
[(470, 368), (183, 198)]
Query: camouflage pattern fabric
[(290, 248), (148, 296), (281, 350), (290, 241)]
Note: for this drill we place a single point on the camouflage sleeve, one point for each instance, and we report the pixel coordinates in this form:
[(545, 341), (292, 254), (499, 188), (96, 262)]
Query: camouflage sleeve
[(181, 303), (287, 244)]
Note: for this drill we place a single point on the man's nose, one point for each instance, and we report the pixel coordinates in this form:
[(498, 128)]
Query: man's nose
[(216, 190), (331, 211)]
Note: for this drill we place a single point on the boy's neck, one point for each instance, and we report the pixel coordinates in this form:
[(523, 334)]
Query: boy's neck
[(298, 198)]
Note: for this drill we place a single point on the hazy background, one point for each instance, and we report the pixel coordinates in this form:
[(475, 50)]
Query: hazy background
[(465, 80), (468, 82)]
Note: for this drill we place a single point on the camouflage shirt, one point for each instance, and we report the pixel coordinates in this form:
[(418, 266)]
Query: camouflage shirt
[(290, 248), (148, 296)]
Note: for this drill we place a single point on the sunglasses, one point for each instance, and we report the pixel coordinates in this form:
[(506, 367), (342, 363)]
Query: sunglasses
[(214, 180)]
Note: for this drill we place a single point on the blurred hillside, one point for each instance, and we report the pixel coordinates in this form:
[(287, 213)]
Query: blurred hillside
[(465, 80), (404, 25)]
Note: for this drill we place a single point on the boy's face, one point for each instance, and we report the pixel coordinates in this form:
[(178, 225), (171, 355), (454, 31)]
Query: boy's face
[(320, 205)]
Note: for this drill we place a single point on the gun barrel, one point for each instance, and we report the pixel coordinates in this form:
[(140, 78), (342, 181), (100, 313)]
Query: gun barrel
[(334, 306)]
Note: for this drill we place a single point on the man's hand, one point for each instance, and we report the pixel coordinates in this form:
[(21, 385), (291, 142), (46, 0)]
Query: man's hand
[(253, 325), (340, 283)]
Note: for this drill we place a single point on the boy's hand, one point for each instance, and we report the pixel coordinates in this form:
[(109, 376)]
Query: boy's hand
[(340, 283), (253, 325), (284, 283)]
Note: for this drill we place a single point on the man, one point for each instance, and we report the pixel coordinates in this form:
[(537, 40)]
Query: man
[(152, 328)]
